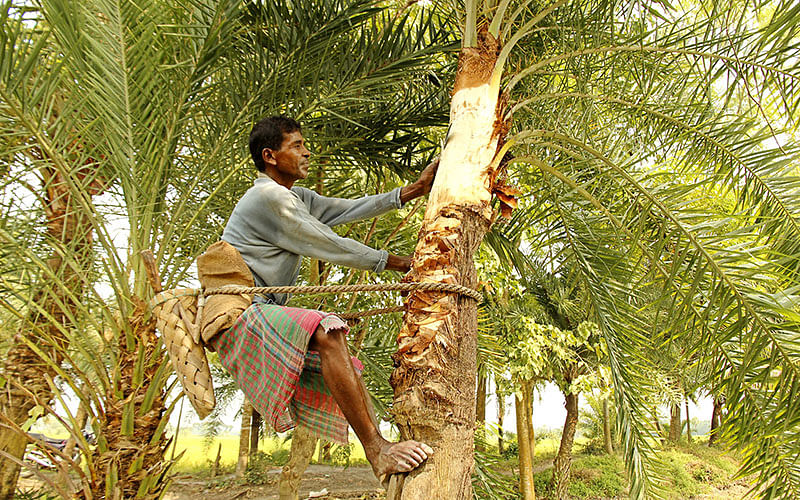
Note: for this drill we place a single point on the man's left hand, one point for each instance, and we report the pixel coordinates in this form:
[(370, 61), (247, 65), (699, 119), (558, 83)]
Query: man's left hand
[(422, 185)]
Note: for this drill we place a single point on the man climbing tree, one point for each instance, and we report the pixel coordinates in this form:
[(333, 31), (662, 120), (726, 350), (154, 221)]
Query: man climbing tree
[(293, 364)]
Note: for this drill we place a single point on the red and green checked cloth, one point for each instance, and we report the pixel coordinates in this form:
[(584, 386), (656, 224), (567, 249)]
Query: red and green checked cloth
[(266, 352)]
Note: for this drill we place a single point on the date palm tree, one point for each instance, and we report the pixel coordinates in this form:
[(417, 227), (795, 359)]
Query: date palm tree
[(624, 113)]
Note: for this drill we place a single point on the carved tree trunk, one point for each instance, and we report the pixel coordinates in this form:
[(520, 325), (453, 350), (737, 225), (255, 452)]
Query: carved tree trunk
[(716, 420), (244, 439), (607, 428), (563, 461), (434, 378), (674, 422), (69, 231), (526, 486)]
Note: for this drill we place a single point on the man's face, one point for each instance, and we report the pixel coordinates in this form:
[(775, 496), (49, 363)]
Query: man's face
[(291, 160)]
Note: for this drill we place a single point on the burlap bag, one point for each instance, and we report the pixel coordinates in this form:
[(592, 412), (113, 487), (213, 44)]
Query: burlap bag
[(222, 265)]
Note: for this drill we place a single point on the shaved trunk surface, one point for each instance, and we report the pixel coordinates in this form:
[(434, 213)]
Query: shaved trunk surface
[(526, 486), (435, 364)]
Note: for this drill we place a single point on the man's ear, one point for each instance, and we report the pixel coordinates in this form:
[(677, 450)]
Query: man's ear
[(268, 156)]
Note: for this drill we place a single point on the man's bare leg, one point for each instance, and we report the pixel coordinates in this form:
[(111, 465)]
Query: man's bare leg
[(342, 381)]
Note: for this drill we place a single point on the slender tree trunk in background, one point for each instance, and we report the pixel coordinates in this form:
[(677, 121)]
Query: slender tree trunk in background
[(480, 410), (244, 439), (527, 397), (607, 428), (716, 417), (501, 413), (688, 426), (303, 445), (81, 416), (69, 232), (563, 461), (434, 378), (255, 433), (526, 487), (674, 422)]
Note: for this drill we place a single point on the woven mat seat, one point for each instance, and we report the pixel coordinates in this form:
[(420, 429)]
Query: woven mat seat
[(175, 311)]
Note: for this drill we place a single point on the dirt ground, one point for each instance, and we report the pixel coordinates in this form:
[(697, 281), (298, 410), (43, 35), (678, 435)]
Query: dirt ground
[(356, 482)]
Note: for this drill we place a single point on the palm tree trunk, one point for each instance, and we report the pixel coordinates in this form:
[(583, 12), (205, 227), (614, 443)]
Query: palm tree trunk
[(716, 417), (244, 439), (501, 413), (674, 422), (526, 486), (255, 433), (607, 428), (434, 378), (131, 451), (563, 461), (688, 426), (69, 231), (303, 445), (480, 409)]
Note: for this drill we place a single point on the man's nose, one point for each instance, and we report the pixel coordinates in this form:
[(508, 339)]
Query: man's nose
[(306, 152)]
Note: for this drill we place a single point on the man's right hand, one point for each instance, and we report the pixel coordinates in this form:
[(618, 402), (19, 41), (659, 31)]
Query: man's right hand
[(398, 263)]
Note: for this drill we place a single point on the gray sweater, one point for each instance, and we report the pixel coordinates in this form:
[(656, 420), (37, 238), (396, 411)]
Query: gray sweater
[(273, 227)]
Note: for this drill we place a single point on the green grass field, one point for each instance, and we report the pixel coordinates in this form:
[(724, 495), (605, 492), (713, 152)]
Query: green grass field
[(198, 454)]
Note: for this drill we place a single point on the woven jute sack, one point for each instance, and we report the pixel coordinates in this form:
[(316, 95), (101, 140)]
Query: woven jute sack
[(175, 311), (222, 265)]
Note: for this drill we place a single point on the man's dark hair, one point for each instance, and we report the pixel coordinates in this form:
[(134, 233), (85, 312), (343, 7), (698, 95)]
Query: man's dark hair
[(269, 133)]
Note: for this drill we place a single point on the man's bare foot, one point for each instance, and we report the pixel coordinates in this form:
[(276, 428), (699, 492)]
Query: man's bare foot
[(391, 458)]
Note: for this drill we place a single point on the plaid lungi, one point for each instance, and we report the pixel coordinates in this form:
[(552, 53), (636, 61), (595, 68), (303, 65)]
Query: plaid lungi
[(266, 352)]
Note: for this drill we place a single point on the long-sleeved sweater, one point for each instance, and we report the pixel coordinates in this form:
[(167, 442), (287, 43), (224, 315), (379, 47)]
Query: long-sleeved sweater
[(273, 227)]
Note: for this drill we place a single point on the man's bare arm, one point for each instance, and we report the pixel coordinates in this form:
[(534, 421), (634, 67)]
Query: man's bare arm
[(398, 263), (422, 185)]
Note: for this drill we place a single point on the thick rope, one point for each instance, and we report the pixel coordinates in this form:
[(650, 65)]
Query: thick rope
[(237, 290), (380, 287)]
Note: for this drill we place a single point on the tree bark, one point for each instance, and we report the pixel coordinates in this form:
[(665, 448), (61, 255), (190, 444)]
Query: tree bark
[(435, 364), (716, 420), (526, 486), (609, 444), (562, 464), (674, 422), (527, 397), (480, 410), (688, 426), (255, 433), (70, 234), (303, 445), (244, 439), (129, 449), (501, 413)]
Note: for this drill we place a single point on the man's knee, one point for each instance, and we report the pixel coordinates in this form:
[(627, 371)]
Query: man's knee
[(325, 341)]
